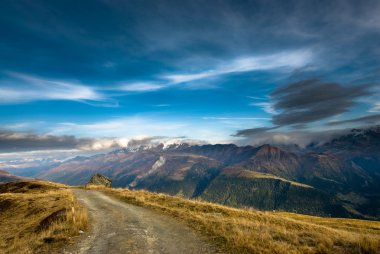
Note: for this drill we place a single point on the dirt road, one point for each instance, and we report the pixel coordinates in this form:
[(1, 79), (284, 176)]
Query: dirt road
[(118, 227)]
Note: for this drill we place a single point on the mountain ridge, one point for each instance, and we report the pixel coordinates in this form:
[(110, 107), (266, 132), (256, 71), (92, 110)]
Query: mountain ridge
[(349, 175)]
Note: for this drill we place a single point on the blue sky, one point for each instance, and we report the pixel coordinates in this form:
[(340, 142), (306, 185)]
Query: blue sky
[(100, 72)]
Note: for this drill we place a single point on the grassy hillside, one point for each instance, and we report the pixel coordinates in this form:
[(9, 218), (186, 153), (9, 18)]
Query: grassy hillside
[(243, 188), (38, 217), (251, 231)]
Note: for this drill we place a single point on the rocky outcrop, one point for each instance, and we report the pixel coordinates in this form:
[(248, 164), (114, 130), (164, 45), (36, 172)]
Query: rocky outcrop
[(100, 180)]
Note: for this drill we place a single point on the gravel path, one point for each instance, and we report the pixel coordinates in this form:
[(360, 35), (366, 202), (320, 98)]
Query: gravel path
[(119, 227)]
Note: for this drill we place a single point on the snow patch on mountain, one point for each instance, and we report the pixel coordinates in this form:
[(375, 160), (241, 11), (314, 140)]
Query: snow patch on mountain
[(158, 164)]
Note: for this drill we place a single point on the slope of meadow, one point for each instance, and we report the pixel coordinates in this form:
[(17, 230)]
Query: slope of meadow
[(38, 217), (252, 231)]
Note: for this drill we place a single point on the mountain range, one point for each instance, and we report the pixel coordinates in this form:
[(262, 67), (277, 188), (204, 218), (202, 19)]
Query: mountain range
[(339, 178)]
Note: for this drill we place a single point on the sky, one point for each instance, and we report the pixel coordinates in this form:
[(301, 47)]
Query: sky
[(93, 75)]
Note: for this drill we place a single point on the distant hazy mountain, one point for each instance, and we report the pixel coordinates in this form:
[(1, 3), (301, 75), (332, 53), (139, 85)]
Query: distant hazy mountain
[(339, 178), (29, 168), (6, 177)]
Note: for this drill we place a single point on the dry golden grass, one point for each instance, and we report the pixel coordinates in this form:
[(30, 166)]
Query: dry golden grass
[(251, 231), (38, 217), (253, 174)]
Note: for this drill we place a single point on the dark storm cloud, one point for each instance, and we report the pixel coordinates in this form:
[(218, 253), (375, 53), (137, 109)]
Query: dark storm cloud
[(371, 119), (14, 141), (252, 132), (300, 103), (311, 100)]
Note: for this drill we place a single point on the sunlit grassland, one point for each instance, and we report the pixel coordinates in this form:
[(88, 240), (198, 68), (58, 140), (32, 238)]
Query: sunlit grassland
[(252, 231), (38, 217)]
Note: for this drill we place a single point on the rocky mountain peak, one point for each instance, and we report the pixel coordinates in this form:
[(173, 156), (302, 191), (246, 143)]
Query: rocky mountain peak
[(100, 180), (268, 150)]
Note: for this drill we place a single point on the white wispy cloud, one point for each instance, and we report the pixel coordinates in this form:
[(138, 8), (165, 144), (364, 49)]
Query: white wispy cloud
[(266, 106), (122, 127), (234, 118), (161, 105), (285, 60), (26, 88), (182, 78), (375, 108), (257, 98), (140, 87)]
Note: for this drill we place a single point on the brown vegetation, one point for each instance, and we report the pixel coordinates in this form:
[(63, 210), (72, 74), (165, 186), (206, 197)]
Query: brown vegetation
[(38, 217), (252, 231)]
